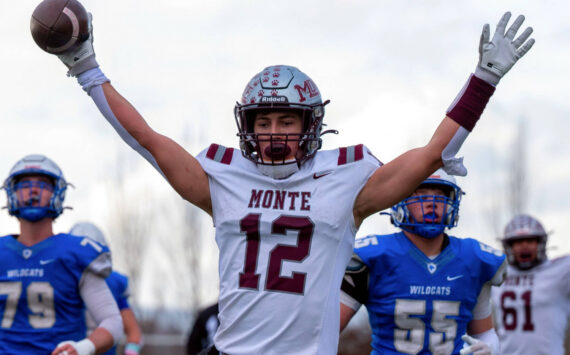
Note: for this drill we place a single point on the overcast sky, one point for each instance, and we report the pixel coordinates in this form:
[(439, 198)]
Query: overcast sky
[(390, 69)]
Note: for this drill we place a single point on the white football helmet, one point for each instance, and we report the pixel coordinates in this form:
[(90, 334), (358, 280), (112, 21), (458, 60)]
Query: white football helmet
[(35, 164), (90, 231), (281, 87), (520, 227)]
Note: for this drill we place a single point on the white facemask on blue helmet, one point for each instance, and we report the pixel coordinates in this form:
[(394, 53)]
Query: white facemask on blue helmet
[(35, 165), (279, 88), (402, 218)]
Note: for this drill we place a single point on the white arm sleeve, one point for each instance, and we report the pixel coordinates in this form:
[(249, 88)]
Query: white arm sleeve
[(101, 304), (483, 307), (91, 82), (349, 301), (451, 164)]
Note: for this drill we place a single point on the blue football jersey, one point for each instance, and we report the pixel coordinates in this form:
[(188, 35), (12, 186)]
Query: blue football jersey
[(119, 286), (419, 305), (40, 302)]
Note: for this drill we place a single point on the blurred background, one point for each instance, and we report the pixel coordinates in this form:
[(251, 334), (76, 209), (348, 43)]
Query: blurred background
[(391, 69)]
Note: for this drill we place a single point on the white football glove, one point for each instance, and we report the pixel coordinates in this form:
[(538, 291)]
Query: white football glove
[(499, 55), (476, 346), (83, 347), (81, 58)]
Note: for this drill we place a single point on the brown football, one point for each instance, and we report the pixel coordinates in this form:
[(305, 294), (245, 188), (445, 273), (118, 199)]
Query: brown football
[(59, 25)]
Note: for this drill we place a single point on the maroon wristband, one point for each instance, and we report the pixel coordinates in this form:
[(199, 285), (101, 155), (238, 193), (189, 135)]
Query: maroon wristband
[(470, 103)]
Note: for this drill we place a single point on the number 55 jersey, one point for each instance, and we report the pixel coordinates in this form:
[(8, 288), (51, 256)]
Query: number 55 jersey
[(40, 304), (532, 308), (417, 304), (284, 245)]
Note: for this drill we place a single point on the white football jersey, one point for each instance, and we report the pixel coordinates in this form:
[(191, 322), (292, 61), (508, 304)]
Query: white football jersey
[(284, 246), (531, 308)]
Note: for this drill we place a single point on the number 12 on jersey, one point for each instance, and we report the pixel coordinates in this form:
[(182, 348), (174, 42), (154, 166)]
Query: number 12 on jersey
[(296, 253)]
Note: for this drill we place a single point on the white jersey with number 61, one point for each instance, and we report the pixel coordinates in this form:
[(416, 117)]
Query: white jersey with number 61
[(532, 307)]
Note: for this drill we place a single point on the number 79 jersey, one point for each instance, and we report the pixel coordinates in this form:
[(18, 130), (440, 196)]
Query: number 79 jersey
[(40, 304), (532, 308), (284, 246)]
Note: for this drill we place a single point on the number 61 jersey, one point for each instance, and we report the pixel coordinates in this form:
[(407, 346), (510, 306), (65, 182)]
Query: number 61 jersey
[(284, 245), (40, 304), (532, 308)]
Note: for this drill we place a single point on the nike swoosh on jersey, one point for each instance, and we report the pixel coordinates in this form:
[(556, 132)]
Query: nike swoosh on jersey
[(451, 278), (45, 262), (321, 174)]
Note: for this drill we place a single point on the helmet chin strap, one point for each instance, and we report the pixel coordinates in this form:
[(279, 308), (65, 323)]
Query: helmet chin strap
[(428, 231), (280, 171)]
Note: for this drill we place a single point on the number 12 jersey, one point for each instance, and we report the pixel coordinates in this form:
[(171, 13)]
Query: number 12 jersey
[(284, 245)]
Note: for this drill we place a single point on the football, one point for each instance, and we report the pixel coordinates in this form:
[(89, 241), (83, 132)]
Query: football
[(59, 25)]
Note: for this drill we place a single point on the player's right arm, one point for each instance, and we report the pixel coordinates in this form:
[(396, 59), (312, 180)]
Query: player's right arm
[(179, 167)]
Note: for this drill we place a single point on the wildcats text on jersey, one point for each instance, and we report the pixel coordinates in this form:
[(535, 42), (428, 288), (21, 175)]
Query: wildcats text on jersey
[(430, 290), (27, 272)]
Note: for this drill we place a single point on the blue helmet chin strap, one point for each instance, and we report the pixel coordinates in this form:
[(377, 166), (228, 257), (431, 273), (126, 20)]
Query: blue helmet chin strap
[(425, 230), (32, 214), (428, 231)]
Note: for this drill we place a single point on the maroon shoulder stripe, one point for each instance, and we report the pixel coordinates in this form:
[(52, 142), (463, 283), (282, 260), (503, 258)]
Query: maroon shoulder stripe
[(220, 154), (341, 155), (350, 154)]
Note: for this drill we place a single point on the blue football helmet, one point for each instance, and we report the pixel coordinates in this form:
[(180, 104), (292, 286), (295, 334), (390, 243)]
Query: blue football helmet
[(35, 164), (429, 228), (276, 88)]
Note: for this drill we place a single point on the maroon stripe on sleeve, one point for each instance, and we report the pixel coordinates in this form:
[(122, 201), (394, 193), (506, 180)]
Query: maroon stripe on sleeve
[(358, 152), (228, 154), (341, 155), (211, 154)]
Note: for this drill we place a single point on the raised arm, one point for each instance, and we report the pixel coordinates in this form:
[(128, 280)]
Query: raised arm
[(397, 179), (179, 167)]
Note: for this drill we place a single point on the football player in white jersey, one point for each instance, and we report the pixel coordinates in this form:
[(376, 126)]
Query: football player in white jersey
[(286, 213), (47, 280), (532, 306)]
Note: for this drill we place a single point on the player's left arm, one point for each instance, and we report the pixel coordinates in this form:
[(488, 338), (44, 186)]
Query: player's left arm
[(101, 304), (132, 331), (481, 338), (354, 289), (397, 179)]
